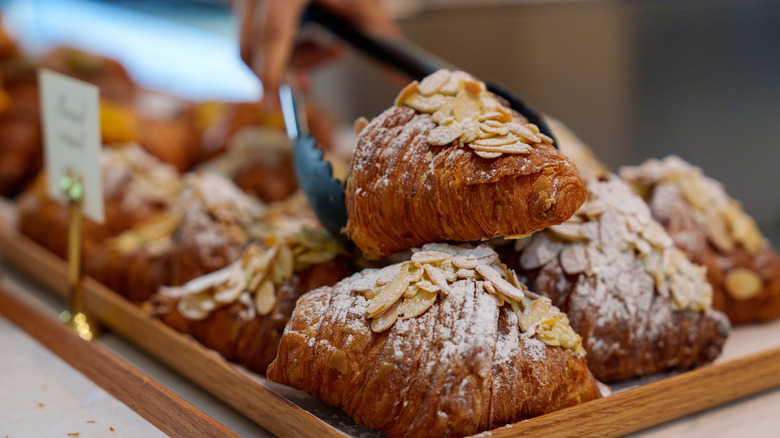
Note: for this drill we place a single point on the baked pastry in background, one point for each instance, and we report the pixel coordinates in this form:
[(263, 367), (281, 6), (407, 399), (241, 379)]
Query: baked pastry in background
[(446, 344), (714, 231), (219, 121), (451, 161), (241, 310), (205, 229), (640, 305), (259, 160), (20, 130), (136, 187), (109, 75)]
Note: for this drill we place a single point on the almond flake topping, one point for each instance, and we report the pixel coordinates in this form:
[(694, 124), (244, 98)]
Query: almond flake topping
[(257, 274), (435, 268), (236, 215), (466, 114), (720, 215), (611, 222)]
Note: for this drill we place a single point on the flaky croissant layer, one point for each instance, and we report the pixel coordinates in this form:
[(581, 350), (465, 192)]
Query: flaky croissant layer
[(403, 192), (461, 367)]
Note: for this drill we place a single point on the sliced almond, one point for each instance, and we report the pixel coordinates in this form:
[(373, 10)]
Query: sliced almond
[(501, 285), (465, 273), (484, 154), (443, 135), (523, 132), (500, 130), (405, 93), (429, 257), (465, 262), (718, 233), (742, 283), (390, 293), (574, 260), (232, 289), (386, 319), (190, 310), (492, 118), (539, 252), (425, 104), (512, 148), (265, 298), (496, 141), (410, 291), (568, 231), (437, 277), (434, 82), (470, 131), (453, 83), (417, 304), (467, 105), (427, 286)]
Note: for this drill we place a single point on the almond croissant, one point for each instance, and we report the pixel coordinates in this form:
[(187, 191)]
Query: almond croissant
[(640, 305), (452, 162), (446, 344), (713, 230)]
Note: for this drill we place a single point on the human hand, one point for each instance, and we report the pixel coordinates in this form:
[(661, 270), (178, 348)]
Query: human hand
[(269, 29)]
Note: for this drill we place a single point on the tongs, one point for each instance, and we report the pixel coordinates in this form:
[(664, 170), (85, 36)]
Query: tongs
[(315, 175)]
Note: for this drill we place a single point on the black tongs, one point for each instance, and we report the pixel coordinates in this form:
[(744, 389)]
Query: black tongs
[(315, 175)]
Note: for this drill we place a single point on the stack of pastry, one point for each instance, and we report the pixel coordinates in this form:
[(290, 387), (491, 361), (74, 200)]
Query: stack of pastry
[(448, 343)]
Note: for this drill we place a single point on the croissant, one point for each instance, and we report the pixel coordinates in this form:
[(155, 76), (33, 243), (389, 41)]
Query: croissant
[(136, 187), (714, 231), (452, 162), (241, 310), (447, 344), (640, 305), (205, 229)]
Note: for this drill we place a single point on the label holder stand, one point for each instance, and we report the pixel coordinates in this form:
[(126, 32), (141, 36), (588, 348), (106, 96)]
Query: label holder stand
[(86, 327)]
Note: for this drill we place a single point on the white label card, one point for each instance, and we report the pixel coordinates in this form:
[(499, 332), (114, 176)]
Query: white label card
[(70, 111)]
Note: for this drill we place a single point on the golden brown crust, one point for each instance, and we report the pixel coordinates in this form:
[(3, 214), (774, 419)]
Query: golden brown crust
[(402, 192), (459, 368), (237, 332)]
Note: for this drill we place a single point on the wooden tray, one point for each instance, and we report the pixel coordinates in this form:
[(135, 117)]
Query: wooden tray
[(290, 413)]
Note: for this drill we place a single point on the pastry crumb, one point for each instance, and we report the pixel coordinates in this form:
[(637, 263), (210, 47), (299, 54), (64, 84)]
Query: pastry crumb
[(73, 434), (90, 421), (111, 429), (40, 405)]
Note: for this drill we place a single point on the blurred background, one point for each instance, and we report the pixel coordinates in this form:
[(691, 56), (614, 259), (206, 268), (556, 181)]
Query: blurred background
[(634, 79)]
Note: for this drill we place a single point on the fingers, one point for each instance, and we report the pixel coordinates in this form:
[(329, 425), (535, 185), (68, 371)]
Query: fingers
[(269, 28), (277, 38)]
